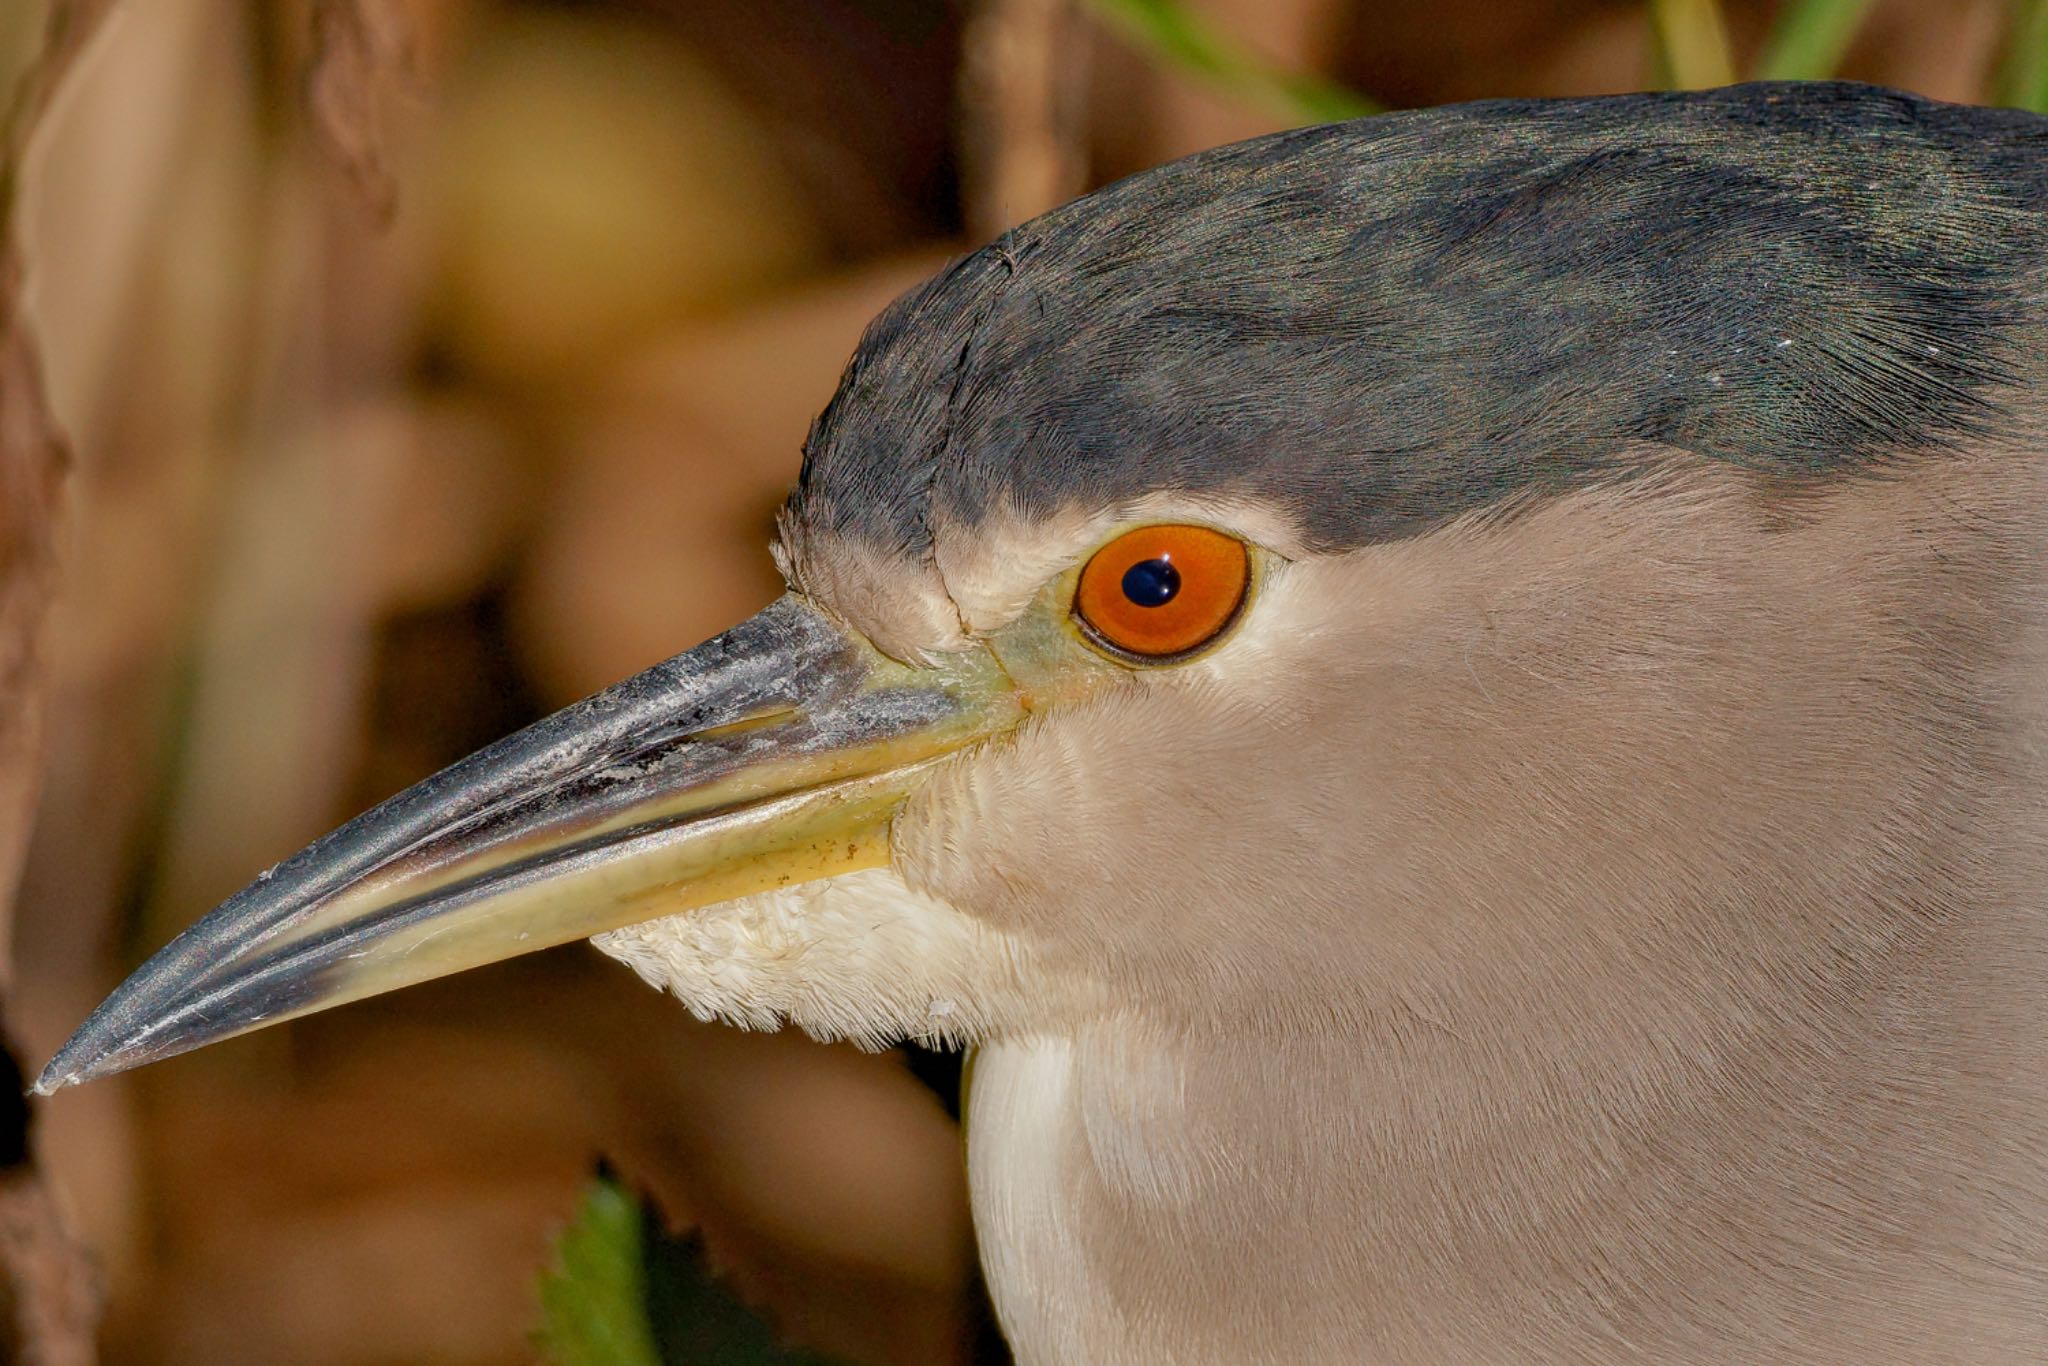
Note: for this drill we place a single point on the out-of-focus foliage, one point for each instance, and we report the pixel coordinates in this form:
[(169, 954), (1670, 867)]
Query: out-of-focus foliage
[(1169, 31), (594, 180), (594, 1299), (625, 1293), (350, 502), (1692, 43), (1809, 39), (2023, 82)]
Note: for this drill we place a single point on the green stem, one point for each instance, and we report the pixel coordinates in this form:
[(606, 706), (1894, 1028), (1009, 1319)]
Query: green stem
[(1692, 43), (1809, 39), (2023, 75), (1170, 33)]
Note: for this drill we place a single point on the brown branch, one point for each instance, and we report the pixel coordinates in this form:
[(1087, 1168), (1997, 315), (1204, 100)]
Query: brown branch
[(49, 1292), (1023, 90), (34, 460), (361, 49), (48, 1288), (66, 32)]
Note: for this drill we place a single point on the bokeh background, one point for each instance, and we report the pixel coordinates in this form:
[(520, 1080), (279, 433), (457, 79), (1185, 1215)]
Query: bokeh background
[(372, 468)]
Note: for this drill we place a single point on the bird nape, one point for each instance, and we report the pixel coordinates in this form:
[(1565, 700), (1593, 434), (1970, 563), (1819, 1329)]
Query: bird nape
[(1456, 703)]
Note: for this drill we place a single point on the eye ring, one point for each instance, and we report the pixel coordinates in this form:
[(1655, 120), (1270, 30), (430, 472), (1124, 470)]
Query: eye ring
[(1158, 594)]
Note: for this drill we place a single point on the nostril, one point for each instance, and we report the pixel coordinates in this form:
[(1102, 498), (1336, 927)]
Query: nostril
[(760, 720)]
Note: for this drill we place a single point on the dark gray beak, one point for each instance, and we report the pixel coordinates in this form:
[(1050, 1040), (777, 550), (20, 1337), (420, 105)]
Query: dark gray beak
[(775, 753)]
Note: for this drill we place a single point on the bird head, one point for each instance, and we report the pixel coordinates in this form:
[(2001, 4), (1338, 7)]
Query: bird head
[(1509, 554)]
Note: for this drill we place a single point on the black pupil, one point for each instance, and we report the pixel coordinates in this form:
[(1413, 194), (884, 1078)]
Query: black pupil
[(1151, 583)]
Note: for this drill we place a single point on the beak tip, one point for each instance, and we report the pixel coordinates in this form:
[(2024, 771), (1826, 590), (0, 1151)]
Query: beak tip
[(73, 1066), (89, 1055), (61, 1071)]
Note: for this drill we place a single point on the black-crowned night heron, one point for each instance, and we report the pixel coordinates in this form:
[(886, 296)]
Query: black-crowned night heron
[(1455, 703)]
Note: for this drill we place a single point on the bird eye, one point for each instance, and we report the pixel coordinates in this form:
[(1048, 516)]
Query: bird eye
[(1161, 592)]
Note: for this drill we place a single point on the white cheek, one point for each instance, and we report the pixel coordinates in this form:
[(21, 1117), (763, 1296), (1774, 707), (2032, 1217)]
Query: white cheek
[(1288, 605), (860, 957)]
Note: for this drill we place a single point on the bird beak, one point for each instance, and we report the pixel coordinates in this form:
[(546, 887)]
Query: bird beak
[(773, 754)]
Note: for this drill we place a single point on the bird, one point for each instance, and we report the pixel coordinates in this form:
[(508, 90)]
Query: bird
[(1455, 705)]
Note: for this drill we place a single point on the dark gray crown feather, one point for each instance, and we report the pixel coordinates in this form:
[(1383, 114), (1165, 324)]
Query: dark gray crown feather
[(1380, 324)]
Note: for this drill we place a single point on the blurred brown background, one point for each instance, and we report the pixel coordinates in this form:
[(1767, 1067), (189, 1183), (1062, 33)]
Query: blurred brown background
[(351, 500)]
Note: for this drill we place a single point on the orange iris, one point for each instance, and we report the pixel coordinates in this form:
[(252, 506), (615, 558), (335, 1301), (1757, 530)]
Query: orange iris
[(1160, 592)]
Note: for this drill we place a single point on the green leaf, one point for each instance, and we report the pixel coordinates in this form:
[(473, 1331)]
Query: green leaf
[(1810, 39), (1180, 39), (594, 1300), (2023, 76), (1692, 43), (623, 1292)]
